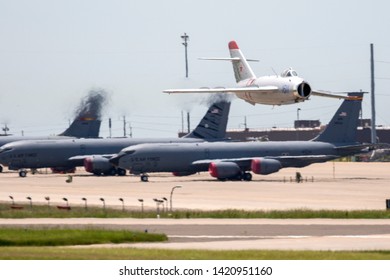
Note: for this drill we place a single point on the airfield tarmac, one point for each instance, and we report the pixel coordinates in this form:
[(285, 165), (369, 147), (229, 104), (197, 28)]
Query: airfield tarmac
[(339, 185)]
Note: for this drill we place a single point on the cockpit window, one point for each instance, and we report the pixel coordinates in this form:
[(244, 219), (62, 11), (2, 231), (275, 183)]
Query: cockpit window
[(289, 73), (5, 149), (129, 152)]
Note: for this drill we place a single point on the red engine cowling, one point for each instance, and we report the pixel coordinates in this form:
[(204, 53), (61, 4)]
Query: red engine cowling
[(265, 166), (224, 170), (98, 165)]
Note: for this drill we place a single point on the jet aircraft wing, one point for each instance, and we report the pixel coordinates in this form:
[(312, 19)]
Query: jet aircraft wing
[(285, 161), (227, 59), (329, 94), (224, 90), (82, 157)]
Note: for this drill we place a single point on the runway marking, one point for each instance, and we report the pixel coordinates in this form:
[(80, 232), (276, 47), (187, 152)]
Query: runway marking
[(238, 236), (362, 236), (278, 236)]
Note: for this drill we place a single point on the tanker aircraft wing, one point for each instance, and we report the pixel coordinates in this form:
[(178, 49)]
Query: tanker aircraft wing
[(285, 161)]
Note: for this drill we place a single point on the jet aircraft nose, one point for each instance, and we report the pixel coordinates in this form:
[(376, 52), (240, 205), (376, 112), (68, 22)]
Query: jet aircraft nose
[(5, 149)]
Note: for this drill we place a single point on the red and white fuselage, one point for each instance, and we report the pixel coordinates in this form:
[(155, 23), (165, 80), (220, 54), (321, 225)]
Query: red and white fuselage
[(286, 88)]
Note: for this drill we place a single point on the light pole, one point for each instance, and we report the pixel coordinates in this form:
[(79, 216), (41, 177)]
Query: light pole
[(142, 205), (85, 203), (297, 126), (104, 203), (123, 204), (29, 198), (157, 207), (166, 204), (170, 199), (66, 200), (48, 201), (186, 38), (158, 203)]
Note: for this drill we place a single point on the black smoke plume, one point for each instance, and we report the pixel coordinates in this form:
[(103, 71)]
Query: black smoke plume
[(91, 106)]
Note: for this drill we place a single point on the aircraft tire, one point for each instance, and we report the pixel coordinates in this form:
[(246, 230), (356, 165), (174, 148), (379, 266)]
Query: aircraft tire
[(247, 176), (144, 178), (112, 172), (121, 172), (22, 173), (1, 168)]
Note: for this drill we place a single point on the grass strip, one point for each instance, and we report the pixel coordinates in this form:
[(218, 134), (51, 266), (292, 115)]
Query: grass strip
[(68, 237), (61, 253), (41, 211)]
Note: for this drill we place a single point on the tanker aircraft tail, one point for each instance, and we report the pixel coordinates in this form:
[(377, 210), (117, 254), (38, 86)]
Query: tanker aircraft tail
[(83, 127), (213, 124), (341, 129)]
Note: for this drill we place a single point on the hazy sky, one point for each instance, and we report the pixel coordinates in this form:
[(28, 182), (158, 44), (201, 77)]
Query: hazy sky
[(53, 52)]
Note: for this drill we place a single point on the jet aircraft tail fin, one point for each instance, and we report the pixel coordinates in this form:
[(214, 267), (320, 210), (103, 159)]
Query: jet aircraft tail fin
[(213, 124), (83, 128), (241, 68), (342, 128)]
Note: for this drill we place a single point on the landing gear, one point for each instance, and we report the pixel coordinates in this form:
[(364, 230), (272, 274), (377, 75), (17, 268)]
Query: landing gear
[(22, 173), (121, 172), (1, 169), (247, 176), (244, 176), (112, 172), (144, 178)]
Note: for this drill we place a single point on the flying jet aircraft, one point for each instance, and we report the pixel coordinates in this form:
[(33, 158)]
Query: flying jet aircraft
[(234, 160), (286, 88), (94, 154)]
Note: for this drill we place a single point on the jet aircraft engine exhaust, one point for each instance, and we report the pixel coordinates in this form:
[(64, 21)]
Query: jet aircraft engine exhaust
[(303, 90)]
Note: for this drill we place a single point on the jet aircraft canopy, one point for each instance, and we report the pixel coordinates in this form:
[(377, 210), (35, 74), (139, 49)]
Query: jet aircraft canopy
[(289, 73)]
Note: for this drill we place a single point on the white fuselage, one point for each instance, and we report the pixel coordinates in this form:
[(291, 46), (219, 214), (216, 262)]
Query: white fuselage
[(286, 92)]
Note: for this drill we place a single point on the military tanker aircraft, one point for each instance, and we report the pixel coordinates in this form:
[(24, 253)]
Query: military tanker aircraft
[(94, 154), (235, 160)]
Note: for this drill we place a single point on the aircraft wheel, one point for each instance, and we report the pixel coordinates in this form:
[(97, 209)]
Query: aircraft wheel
[(112, 172), (22, 173), (1, 169), (121, 172), (144, 178), (247, 177)]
